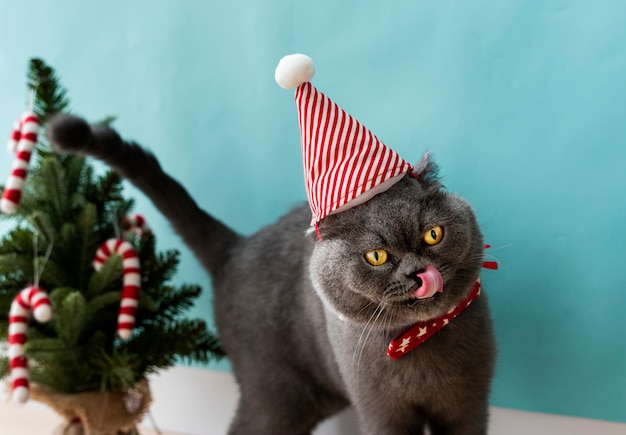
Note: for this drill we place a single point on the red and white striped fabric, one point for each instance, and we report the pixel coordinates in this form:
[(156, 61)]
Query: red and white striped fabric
[(134, 223), (342, 159), (344, 163), (30, 299), (23, 141), (131, 280)]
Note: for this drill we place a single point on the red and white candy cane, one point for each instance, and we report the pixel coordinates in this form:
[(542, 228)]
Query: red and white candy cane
[(15, 137), (134, 223), (131, 280), (30, 299), (23, 141)]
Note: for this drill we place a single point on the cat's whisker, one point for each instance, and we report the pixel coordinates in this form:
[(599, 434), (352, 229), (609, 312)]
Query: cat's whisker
[(356, 350), (491, 257), (389, 314), (364, 327), (377, 312), (508, 245), (369, 304), (389, 304)]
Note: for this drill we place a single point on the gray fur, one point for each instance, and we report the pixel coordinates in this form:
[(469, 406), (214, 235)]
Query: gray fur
[(306, 322)]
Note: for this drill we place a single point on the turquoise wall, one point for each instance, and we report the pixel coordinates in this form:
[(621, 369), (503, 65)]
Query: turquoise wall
[(522, 103)]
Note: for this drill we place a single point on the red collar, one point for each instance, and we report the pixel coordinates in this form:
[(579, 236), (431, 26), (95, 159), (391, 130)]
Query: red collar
[(422, 331)]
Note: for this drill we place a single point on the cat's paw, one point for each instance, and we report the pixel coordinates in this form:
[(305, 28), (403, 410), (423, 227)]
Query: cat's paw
[(69, 134)]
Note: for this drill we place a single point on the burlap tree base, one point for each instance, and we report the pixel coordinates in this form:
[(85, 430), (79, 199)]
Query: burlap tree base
[(98, 413)]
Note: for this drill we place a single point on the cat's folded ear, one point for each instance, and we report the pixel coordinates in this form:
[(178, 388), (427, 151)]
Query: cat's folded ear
[(427, 171)]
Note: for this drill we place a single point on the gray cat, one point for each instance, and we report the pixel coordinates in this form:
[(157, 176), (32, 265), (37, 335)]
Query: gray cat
[(307, 320)]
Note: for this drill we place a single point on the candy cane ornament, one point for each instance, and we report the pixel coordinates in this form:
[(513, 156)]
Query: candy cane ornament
[(30, 299), (23, 141), (15, 137), (134, 223), (131, 280)]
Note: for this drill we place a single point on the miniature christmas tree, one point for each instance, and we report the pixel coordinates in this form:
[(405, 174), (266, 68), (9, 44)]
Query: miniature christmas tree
[(65, 213)]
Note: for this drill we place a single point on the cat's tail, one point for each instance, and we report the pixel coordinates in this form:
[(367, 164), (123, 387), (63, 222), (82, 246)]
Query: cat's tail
[(209, 239)]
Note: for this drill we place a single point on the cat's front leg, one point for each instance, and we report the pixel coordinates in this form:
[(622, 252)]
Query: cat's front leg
[(402, 419), (387, 421), (425, 389), (382, 398)]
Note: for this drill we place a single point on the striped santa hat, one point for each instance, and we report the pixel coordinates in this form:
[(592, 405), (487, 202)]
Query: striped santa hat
[(344, 163)]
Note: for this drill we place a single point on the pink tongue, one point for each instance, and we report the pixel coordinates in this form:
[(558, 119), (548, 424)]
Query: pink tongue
[(432, 282)]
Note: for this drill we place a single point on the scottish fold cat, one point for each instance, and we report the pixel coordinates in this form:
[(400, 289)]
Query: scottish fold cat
[(308, 319)]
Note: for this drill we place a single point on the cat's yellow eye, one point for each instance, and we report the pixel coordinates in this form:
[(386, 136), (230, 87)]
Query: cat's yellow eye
[(433, 235), (377, 257)]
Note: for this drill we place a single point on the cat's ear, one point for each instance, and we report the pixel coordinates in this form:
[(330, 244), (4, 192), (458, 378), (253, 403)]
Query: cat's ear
[(427, 171)]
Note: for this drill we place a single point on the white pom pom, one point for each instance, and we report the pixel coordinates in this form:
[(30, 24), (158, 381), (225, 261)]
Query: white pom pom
[(293, 70)]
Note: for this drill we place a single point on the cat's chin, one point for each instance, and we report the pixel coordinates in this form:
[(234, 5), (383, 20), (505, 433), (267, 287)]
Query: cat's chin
[(414, 302), (409, 307), (413, 310)]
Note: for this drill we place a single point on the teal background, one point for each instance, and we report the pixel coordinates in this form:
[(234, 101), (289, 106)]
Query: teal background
[(522, 103)]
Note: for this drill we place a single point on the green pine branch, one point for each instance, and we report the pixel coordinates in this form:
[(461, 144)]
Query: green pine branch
[(51, 97)]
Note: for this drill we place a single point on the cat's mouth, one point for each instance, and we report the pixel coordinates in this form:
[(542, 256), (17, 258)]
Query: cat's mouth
[(413, 301), (429, 285)]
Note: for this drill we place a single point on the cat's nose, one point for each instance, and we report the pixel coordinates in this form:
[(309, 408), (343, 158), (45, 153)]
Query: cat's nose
[(411, 265), (415, 277)]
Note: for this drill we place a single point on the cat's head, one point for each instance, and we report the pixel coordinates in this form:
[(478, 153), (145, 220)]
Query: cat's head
[(372, 260)]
